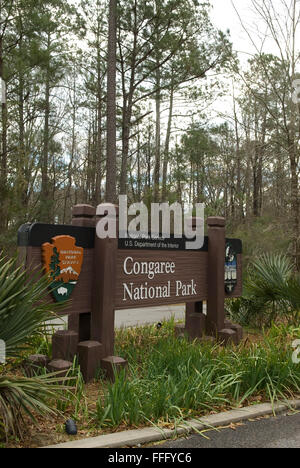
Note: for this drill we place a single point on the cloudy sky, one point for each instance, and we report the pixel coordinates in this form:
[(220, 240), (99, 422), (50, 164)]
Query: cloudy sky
[(224, 16)]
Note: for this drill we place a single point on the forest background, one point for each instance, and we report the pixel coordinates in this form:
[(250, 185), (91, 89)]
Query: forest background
[(199, 118)]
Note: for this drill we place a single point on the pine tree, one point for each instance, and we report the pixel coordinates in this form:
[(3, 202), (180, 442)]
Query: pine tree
[(54, 265)]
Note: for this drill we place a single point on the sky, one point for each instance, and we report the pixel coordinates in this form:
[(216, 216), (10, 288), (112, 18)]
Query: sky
[(225, 17)]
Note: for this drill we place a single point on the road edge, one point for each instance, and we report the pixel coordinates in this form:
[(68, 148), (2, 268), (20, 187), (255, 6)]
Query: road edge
[(154, 434)]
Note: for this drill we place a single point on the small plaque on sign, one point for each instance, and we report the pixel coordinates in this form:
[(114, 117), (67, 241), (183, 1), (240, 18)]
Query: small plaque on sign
[(230, 268)]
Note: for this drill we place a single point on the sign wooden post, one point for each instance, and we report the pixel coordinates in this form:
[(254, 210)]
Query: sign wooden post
[(216, 271), (195, 320), (83, 216), (103, 310)]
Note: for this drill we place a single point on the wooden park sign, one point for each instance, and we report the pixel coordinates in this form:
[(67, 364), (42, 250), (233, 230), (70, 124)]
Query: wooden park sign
[(99, 276)]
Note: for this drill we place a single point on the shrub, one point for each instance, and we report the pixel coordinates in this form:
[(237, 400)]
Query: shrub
[(272, 292), (23, 311)]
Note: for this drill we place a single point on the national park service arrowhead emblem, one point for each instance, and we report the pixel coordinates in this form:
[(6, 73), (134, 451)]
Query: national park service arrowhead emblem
[(62, 262)]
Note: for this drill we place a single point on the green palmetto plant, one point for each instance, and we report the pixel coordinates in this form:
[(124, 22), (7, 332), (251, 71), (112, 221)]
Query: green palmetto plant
[(273, 288), (24, 307), (23, 312), (21, 396)]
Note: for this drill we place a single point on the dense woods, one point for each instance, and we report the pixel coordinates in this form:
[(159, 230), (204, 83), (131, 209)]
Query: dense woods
[(174, 142)]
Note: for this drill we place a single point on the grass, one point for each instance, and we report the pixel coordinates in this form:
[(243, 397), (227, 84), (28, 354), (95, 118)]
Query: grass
[(75, 398), (172, 379)]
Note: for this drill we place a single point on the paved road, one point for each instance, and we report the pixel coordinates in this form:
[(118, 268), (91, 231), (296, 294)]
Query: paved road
[(137, 317), (280, 432)]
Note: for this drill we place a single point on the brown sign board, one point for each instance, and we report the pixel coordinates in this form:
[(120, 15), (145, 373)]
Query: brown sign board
[(148, 278), (121, 274), (144, 278)]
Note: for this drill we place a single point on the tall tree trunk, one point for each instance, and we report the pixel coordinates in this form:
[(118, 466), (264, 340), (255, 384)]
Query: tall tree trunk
[(128, 104), (167, 144), (157, 138), (255, 184), (3, 161), (111, 163), (139, 181), (88, 166), (238, 162), (3, 179), (149, 160), (45, 211), (295, 203), (97, 197), (294, 158), (70, 165), (23, 175), (127, 114)]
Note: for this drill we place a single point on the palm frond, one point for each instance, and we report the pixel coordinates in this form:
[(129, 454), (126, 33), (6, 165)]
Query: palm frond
[(272, 290), (24, 307), (30, 396)]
